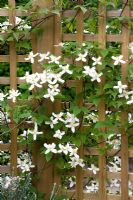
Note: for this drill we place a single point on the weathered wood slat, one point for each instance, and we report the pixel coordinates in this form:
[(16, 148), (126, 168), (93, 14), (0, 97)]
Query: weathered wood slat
[(95, 152), (124, 114), (68, 13), (19, 58), (102, 193), (4, 12), (5, 169), (88, 37), (110, 14), (13, 85), (95, 196)]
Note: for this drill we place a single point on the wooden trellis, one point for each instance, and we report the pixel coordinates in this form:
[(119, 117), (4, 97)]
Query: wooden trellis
[(52, 36)]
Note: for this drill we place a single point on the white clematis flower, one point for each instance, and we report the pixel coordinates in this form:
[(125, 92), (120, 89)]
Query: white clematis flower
[(118, 60), (64, 148), (54, 87), (131, 100), (97, 61), (50, 148), (59, 134), (35, 132), (51, 94), (82, 57), (52, 122), (33, 80), (54, 59), (13, 94), (94, 169), (120, 87), (71, 121), (2, 96), (44, 56), (65, 69), (75, 161), (92, 73), (58, 117), (31, 57)]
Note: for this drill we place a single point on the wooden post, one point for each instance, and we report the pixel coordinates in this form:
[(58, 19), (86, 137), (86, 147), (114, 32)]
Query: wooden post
[(43, 44), (101, 107), (13, 85)]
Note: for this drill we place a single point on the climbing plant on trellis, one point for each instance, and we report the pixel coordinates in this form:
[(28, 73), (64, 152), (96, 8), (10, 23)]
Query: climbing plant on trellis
[(48, 41)]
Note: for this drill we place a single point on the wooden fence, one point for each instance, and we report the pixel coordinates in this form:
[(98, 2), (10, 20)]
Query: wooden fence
[(52, 36)]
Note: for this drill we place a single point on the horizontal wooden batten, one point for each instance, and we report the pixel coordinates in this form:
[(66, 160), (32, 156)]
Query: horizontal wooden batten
[(4, 12), (95, 196), (110, 175), (6, 58), (111, 14), (7, 146), (4, 169), (89, 37), (6, 81), (95, 152)]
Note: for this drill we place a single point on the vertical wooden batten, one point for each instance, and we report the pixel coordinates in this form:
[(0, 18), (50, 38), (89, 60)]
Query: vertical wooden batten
[(102, 106), (57, 52), (13, 85), (79, 90), (124, 114)]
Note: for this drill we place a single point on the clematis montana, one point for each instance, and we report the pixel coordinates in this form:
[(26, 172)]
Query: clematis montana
[(92, 73), (130, 100), (54, 59), (59, 134), (44, 56), (2, 96), (92, 187), (13, 94), (51, 94), (52, 122), (120, 87), (71, 121), (31, 57), (65, 69), (75, 161), (82, 57), (58, 117), (94, 169), (33, 80), (64, 148), (97, 61), (35, 132), (50, 148), (118, 60)]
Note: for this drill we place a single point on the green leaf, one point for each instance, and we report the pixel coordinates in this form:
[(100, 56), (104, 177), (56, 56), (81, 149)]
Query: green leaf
[(48, 156), (104, 52), (84, 10), (103, 124), (56, 11), (75, 109)]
